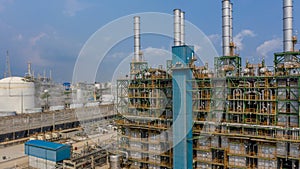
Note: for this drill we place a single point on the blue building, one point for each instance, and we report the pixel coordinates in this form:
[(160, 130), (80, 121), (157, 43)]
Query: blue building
[(43, 154)]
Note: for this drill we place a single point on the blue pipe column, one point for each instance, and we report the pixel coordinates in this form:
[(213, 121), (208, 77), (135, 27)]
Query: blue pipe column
[(182, 107)]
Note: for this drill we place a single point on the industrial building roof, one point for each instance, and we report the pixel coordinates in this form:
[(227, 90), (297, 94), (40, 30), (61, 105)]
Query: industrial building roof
[(45, 144)]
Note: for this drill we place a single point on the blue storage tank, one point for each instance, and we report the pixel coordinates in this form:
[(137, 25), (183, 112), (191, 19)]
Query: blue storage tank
[(47, 150)]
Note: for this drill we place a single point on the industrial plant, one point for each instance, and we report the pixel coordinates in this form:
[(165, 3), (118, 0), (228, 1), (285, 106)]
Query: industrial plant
[(46, 125), (182, 117), (233, 117)]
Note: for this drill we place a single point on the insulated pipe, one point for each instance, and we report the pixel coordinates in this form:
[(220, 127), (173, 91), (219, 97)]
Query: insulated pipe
[(137, 46), (182, 26), (177, 27), (226, 27), (231, 26), (287, 25)]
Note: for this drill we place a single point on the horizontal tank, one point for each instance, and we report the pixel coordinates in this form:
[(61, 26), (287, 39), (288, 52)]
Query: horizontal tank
[(33, 110), (7, 113), (76, 105), (55, 108), (92, 104), (16, 94)]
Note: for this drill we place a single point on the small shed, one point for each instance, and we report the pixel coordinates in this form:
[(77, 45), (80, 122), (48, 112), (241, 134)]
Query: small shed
[(43, 154)]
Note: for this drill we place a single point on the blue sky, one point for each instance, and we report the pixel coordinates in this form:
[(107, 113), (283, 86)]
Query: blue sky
[(50, 34)]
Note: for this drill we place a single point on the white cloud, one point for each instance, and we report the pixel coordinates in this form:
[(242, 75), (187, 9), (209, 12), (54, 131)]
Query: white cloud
[(238, 39), (17, 37), (156, 56), (4, 3), (35, 39), (20, 37), (155, 52), (214, 38), (269, 46), (73, 6), (34, 56), (197, 48), (118, 55)]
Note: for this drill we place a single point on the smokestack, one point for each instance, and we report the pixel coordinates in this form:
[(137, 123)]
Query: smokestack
[(226, 27), (182, 26), (177, 27), (137, 46), (287, 25), (29, 69), (230, 23)]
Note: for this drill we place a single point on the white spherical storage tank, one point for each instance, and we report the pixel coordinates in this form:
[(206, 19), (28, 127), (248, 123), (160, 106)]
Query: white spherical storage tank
[(16, 94)]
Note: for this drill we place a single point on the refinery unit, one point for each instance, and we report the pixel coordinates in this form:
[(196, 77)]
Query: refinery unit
[(185, 116), (233, 117)]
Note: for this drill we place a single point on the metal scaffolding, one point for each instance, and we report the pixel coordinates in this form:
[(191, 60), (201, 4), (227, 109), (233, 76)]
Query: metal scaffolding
[(145, 115), (259, 126)]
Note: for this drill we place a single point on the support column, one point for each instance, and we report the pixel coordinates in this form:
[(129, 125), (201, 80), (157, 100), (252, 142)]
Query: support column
[(182, 108)]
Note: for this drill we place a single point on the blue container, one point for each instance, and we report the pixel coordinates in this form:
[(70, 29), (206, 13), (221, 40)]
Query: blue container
[(67, 86), (47, 150)]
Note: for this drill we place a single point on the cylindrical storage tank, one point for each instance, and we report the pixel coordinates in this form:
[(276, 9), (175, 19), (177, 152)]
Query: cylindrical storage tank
[(114, 161), (97, 86), (16, 94)]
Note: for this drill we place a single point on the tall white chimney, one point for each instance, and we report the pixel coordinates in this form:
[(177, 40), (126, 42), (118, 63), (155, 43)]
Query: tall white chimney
[(182, 27), (177, 27), (137, 38), (230, 23), (226, 27), (287, 25)]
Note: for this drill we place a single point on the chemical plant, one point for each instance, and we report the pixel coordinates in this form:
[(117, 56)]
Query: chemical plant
[(37, 109), (182, 117), (233, 117)]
